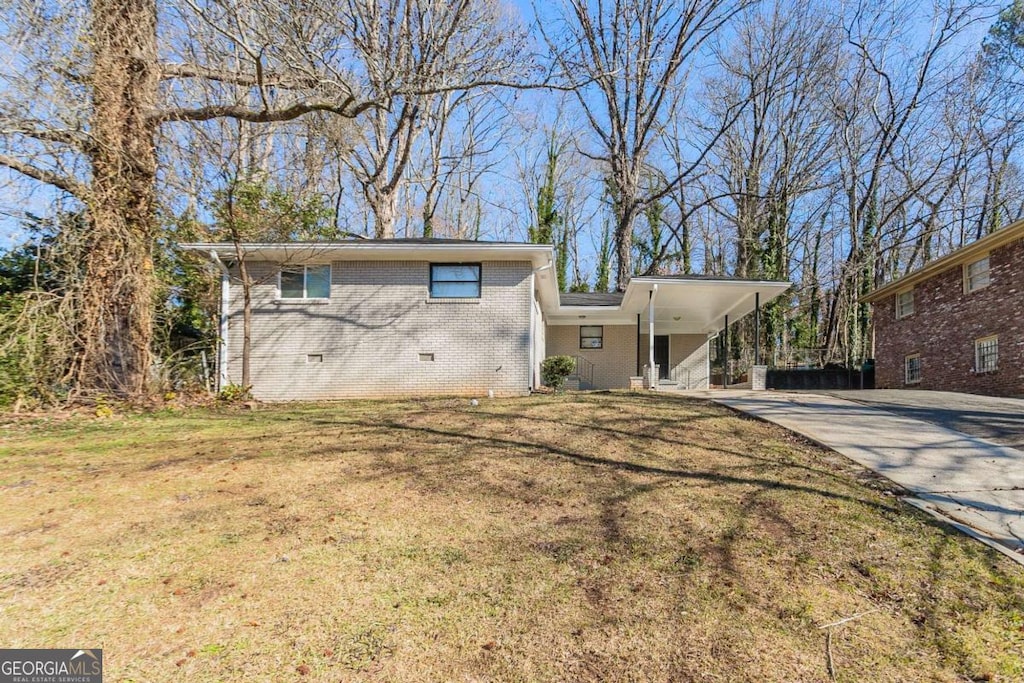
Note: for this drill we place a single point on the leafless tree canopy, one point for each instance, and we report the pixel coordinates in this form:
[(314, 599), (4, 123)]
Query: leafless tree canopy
[(836, 145)]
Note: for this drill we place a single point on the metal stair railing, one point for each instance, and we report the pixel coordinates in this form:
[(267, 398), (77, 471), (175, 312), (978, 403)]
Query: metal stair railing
[(584, 370)]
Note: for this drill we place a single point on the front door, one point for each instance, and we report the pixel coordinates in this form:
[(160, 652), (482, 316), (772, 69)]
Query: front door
[(661, 355)]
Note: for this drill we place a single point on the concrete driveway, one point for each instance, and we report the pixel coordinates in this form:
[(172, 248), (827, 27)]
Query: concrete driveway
[(971, 482), (996, 419)]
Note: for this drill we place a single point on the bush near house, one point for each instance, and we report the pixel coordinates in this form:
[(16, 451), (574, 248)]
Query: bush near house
[(555, 369)]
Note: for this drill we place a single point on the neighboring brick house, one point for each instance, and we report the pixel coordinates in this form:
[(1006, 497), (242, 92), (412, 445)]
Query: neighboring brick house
[(957, 324), (430, 316)]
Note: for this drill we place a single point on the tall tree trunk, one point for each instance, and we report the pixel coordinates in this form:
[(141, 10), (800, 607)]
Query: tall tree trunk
[(624, 250), (383, 203), (116, 295)]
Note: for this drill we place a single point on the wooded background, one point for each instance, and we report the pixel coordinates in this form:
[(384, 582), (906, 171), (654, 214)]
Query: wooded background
[(833, 144)]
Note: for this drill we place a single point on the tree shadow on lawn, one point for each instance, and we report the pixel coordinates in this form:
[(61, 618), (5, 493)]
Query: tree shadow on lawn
[(446, 460), (749, 516), (631, 434), (553, 450)]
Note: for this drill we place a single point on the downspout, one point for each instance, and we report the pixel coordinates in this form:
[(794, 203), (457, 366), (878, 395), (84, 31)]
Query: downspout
[(534, 374), (222, 334), (650, 334)]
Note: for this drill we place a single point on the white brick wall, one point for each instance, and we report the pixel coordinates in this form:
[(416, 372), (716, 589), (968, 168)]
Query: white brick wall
[(688, 356), (373, 329), (613, 363)]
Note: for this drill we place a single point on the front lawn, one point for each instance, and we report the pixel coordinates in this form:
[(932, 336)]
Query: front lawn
[(592, 537)]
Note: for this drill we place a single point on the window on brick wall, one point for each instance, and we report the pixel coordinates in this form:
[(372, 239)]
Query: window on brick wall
[(905, 303), (986, 354), (591, 336), (912, 368), (455, 281), (976, 275), (304, 282)]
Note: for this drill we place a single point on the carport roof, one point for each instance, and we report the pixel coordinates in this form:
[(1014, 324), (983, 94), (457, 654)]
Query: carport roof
[(683, 304)]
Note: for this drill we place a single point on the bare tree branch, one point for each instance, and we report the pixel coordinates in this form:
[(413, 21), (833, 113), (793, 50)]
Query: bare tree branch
[(284, 81), (346, 109), (76, 139), (61, 182)]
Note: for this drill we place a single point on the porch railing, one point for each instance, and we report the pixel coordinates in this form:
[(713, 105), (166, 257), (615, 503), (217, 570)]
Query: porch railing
[(584, 370)]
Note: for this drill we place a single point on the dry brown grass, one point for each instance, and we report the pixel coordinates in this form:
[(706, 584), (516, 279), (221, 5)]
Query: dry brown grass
[(577, 537)]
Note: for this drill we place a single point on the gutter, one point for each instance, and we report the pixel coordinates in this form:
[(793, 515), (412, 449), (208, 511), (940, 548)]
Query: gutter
[(534, 368), (537, 253)]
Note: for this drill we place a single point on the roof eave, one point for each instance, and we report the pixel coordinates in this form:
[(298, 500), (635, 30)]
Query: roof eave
[(539, 254), (629, 302), (964, 254)]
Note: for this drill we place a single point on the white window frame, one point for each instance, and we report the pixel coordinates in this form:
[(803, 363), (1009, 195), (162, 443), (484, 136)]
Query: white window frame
[(305, 281), (479, 281), (978, 344), (907, 379), (978, 280), (598, 337), (901, 308)]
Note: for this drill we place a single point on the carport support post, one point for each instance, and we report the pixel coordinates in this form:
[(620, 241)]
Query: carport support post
[(638, 344), (225, 305), (757, 328), (650, 336), (725, 354)]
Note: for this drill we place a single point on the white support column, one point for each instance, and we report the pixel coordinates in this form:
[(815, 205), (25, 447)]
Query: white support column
[(533, 333), (225, 303), (536, 320), (650, 336)]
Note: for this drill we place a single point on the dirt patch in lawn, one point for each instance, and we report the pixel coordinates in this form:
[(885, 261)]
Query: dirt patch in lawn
[(572, 537)]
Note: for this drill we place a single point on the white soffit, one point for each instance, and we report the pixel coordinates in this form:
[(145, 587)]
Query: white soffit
[(681, 306), (537, 254)]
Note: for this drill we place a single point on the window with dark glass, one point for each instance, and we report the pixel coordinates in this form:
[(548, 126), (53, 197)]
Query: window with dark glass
[(305, 282), (455, 281)]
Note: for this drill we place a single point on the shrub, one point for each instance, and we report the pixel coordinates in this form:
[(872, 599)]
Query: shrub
[(555, 369), (234, 393), (34, 331)]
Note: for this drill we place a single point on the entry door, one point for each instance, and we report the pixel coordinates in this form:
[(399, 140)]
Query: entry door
[(661, 355)]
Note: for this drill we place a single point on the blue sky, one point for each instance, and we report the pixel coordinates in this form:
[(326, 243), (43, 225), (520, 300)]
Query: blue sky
[(18, 195)]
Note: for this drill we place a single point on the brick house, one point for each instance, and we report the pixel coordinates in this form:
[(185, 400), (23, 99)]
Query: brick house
[(431, 316), (957, 324)]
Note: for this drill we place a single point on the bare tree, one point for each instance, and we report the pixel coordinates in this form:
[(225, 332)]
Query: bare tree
[(415, 57), (92, 135), (112, 75), (884, 102), (465, 135), (772, 167), (632, 56)]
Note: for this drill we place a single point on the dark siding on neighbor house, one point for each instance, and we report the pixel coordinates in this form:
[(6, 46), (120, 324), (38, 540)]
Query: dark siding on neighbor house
[(947, 321)]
